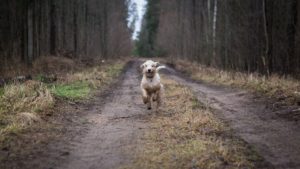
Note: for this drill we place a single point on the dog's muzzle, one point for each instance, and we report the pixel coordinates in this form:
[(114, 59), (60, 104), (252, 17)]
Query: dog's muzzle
[(149, 74)]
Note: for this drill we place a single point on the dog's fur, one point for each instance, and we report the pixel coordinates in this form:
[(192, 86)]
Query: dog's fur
[(152, 89)]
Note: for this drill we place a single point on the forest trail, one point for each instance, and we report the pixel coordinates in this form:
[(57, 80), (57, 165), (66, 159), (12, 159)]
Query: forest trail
[(115, 127), (117, 121), (121, 120)]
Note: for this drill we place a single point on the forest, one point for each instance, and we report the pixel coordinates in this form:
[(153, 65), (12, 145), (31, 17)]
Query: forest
[(149, 84), (83, 29), (250, 36)]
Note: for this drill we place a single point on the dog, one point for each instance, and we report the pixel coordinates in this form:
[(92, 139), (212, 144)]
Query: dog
[(152, 88)]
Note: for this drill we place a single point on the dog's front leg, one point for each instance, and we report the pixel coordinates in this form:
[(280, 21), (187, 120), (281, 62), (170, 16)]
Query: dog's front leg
[(159, 98), (145, 96), (149, 105), (154, 97)]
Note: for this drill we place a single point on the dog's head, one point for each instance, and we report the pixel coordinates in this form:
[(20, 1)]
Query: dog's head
[(149, 68)]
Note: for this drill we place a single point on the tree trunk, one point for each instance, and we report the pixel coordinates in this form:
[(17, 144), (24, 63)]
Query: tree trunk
[(30, 33), (267, 57), (52, 28), (215, 27)]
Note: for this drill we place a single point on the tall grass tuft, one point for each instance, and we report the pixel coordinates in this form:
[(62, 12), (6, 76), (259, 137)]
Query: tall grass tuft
[(20, 105), (31, 96)]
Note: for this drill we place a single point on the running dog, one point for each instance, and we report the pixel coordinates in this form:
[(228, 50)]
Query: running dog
[(152, 89)]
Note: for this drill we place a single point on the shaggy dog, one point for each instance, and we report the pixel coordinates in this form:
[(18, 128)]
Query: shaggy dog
[(152, 89)]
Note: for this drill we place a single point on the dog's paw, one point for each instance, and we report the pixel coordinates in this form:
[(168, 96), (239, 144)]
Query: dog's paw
[(145, 100), (154, 98)]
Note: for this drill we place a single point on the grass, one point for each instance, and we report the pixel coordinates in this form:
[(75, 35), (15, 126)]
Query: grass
[(114, 70), (73, 91), (21, 105), (1, 91), (186, 134), (285, 89), (40, 78), (79, 85), (24, 104)]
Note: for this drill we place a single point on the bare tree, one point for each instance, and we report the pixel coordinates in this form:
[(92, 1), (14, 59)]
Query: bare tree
[(81, 29), (250, 35)]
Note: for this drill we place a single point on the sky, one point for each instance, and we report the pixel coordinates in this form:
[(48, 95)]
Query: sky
[(140, 10)]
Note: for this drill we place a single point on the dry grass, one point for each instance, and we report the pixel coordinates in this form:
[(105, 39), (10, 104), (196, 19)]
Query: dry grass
[(53, 65), (20, 105), (78, 85), (25, 104), (187, 135), (42, 65), (1, 91), (281, 88), (96, 76)]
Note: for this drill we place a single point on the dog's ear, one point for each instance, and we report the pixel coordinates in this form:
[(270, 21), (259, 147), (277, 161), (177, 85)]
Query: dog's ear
[(142, 66), (156, 64)]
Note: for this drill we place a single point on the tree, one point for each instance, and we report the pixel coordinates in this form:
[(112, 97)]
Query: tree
[(81, 29), (252, 35)]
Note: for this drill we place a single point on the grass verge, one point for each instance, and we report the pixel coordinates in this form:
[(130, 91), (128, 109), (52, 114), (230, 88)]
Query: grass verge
[(77, 86), (186, 134), (21, 106), (285, 89), (24, 104), (73, 91)]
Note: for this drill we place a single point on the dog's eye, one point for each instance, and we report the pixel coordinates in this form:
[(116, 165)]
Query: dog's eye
[(153, 65)]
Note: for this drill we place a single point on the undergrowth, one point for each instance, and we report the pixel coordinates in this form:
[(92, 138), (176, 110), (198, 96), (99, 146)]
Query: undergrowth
[(78, 85), (20, 106), (186, 134), (284, 89), (24, 104), (1, 91)]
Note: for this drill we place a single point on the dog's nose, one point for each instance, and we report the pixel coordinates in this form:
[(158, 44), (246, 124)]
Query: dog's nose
[(149, 70)]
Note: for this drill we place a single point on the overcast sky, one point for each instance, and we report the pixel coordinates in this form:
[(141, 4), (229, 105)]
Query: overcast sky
[(141, 10)]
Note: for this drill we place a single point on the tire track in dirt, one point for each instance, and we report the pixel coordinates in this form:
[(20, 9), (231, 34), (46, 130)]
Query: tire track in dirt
[(115, 128), (273, 137)]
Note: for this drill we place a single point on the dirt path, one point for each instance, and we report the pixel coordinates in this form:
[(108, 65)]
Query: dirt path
[(115, 120), (275, 138), (115, 128)]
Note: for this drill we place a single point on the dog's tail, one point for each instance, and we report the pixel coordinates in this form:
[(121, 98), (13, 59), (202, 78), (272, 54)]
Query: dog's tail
[(160, 67)]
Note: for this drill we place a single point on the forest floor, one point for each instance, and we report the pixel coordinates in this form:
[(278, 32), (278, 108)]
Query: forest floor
[(201, 126)]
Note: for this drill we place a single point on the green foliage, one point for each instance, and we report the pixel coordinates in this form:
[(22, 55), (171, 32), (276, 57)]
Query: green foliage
[(73, 91), (41, 78), (145, 45)]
